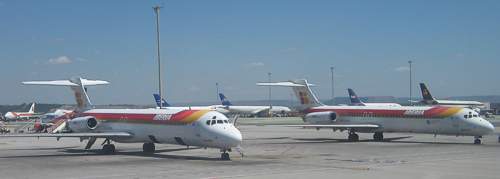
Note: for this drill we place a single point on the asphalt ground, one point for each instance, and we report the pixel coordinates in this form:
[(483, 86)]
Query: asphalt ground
[(269, 152)]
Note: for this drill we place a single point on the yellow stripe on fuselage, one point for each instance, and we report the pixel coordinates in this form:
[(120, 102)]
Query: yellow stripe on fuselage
[(195, 116)]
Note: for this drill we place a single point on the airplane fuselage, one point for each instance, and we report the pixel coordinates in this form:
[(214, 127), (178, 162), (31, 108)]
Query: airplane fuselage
[(432, 120), (181, 127)]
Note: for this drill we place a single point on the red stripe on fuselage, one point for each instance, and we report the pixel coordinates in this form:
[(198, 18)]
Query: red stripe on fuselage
[(361, 112), (182, 115), (121, 116)]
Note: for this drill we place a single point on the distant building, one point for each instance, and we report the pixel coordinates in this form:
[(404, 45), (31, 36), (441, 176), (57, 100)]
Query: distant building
[(495, 107)]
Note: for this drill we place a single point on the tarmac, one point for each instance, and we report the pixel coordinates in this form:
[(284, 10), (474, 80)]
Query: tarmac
[(269, 152)]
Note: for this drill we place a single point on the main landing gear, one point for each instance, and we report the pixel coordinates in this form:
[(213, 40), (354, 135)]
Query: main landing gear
[(108, 148), (148, 148), (477, 139), (378, 136), (224, 155), (353, 137)]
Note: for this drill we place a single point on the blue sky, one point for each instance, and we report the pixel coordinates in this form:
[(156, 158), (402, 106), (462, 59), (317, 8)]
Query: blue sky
[(455, 46)]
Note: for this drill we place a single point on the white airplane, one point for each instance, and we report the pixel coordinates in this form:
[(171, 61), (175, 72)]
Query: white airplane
[(22, 115), (379, 119), (428, 99), (251, 110), (165, 105), (355, 101), (203, 128)]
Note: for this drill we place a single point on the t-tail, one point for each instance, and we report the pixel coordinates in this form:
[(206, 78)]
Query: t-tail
[(302, 91), (78, 85), (32, 108), (354, 98), (426, 94), (224, 100), (159, 100)]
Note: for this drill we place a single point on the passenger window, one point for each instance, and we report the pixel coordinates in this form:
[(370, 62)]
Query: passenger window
[(213, 122), (208, 122), (219, 121)]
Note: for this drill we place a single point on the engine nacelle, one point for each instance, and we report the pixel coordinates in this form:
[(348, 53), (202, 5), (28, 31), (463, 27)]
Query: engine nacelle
[(321, 117), (83, 124)]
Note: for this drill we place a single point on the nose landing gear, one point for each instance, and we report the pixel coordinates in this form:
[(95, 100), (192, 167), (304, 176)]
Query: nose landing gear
[(224, 155), (477, 140)]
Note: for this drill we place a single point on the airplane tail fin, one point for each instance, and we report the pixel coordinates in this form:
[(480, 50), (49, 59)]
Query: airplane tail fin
[(32, 108), (224, 100), (302, 91), (160, 100), (426, 94), (78, 85), (354, 98)]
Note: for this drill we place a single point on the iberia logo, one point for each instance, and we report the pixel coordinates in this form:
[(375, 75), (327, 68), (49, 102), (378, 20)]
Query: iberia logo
[(304, 99)]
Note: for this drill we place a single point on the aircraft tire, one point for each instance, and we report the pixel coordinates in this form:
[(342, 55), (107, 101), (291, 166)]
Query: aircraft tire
[(225, 156), (148, 148), (108, 149), (477, 141)]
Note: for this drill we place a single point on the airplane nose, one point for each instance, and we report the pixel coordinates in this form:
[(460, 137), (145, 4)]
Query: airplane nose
[(234, 138), (489, 127)]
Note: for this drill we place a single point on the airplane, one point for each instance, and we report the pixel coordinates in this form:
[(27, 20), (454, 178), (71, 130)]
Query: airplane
[(428, 99), (166, 105), (203, 128), (22, 115), (252, 110), (379, 119), (355, 101)]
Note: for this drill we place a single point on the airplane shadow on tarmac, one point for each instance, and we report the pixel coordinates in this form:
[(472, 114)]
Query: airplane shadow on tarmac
[(71, 152), (330, 140)]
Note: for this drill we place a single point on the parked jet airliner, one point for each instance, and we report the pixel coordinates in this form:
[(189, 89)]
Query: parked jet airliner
[(252, 110), (202, 128), (428, 99), (379, 119), (355, 101), (22, 115)]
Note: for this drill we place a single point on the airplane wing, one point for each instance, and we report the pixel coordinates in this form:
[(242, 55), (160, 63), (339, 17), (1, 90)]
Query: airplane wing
[(60, 135), (337, 126)]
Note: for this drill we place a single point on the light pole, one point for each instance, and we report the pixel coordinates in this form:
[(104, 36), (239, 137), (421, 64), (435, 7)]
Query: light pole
[(217, 90), (333, 89), (411, 94), (157, 12), (269, 80)]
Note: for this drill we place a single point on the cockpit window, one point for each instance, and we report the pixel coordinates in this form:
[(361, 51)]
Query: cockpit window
[(225, 121), (213, 122), (465, 116), (215, 117), (470, 115), (208, 122), (219, 121), (475, 115)]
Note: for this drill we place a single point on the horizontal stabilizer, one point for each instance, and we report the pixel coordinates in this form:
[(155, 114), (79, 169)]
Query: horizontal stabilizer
[(85, 82), (285, 83)]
